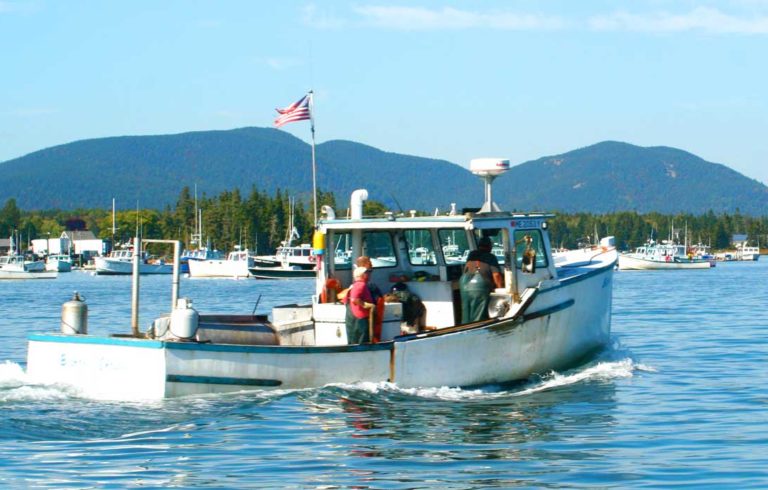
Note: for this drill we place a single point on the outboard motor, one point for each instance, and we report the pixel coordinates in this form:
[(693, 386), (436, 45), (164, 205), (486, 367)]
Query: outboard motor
[(74, 316)]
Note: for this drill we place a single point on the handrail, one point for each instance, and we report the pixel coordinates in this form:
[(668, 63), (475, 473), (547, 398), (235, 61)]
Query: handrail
[(135, 284)]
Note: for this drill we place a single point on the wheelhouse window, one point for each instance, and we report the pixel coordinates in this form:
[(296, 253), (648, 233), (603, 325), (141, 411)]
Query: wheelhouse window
[(527, 241), (421, 250), (377, 245), (454, 245), (496, 238)]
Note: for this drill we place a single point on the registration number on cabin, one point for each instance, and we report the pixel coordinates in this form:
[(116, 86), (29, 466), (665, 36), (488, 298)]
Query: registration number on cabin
[(526, 223)]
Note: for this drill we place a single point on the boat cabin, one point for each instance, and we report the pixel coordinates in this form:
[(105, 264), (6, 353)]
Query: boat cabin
[(428, 254)]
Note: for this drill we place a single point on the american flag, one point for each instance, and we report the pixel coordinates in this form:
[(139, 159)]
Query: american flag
[(298, 111)]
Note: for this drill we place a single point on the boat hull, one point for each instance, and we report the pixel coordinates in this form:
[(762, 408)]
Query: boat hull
[(105, 266), (280, 272), (4, 274), (563, 323), (58, 266), (627, 262), (219, 268)]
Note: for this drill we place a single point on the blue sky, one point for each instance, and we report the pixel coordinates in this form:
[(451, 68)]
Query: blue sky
[(450, 80)]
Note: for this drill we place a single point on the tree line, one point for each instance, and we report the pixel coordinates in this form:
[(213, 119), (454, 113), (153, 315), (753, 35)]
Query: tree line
[(260, 222)]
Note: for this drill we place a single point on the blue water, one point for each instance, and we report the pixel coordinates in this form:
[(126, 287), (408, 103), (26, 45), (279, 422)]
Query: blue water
[(679, 399)]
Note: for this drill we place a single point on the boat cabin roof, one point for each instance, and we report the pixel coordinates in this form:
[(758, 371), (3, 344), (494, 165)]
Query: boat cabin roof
[(467, 221)]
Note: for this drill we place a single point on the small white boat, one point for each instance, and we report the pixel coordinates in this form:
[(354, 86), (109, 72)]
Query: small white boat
[(204, 253), (299, 256), (18, 263), (662, 256), (747, 253), (17, 274), (235, 266), (548, 316), (120, 262), (58, 263)]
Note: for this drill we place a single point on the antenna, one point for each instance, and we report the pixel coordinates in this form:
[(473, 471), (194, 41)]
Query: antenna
[(488, 169), (114, 230)]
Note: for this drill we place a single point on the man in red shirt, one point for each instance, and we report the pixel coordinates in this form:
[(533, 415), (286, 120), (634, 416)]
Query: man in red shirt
[(359, 304)]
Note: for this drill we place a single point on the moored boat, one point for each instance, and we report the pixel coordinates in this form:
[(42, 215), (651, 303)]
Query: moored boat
[(281, 271), (235, 266), (662, 256), (204, 253), (120, 262), (58, 263), (13, 262), (747, 253), (548, 316)]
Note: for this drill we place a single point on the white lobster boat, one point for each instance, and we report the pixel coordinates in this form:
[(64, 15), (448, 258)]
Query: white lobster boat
[(120, 263), (549, 316), (662, 256), (235, 266)]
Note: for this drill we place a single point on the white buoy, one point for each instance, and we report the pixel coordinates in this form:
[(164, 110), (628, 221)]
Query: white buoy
[(184, 320), (74, 316)]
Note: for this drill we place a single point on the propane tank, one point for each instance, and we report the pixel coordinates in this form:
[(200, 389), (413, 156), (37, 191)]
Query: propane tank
[(184, 320), (74, 316)]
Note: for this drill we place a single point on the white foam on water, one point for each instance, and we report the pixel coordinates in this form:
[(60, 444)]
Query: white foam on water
[(441, 393), (601, 371), (15, 386), (11, 374)]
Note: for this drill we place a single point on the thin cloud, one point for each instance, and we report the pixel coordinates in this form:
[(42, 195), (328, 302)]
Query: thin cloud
[(18, 7), (282, 63), (30, 112), (704, 19), (448, 18), (321, 20), (751, 20)]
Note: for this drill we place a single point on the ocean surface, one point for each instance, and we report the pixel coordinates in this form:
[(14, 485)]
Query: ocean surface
[(679, 399)]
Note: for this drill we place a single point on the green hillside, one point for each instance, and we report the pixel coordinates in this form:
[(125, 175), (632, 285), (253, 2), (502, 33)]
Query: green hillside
[(152, 170)]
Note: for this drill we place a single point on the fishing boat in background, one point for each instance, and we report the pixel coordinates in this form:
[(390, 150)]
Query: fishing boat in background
[(203, 253), (15, 266), (198, 251), (665, 255), (297, 256), (548, 316), (747, 253), (235, 266), (120, 262), (289, 256), (281, 271), (58, 263)]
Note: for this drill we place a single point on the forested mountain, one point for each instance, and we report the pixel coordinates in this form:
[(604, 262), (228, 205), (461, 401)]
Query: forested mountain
[(612, 176), (151, 171)]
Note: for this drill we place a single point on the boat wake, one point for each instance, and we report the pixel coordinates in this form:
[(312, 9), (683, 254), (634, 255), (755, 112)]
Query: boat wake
[(14, 386), (613, 363)]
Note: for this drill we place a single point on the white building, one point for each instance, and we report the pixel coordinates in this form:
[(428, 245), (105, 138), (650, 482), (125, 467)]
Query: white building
[(84, 242), (75, 242)]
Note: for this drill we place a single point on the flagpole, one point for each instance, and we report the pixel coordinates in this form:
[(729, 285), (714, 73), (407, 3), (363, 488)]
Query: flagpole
[(314, 172)]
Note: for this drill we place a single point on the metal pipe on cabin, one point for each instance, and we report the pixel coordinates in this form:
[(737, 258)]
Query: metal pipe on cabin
[(176, 275), (513, 268), (135, 288), (176, 267)]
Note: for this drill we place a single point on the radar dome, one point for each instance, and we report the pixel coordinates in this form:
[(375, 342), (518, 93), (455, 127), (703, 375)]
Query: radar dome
[(492, 167)]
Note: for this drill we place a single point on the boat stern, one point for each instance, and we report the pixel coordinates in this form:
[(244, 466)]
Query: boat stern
[(113, 368)]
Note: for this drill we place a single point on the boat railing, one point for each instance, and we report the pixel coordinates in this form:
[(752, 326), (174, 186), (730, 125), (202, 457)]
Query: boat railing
[(135, 284)]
